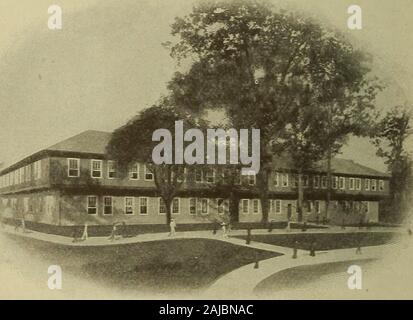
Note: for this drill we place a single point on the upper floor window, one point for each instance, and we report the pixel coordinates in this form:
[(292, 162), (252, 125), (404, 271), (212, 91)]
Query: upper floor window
[(251, 179), (335, 182), (96, 168), (316, 182), (276, 179), (210, 175), (358, 184), (111, 169), (341, 183), (367, 184), (351, 184), (73, 168), (381, 185), (148, 174), (37, 169), (373, 185), (284, 179), (198, 175), (134, 171), (324, 182), (92, 205)]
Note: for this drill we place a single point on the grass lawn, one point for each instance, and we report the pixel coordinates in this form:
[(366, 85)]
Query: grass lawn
[(175, 264), (325, 241)]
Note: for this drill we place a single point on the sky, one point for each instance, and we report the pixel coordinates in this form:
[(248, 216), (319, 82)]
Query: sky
[(107, 63)]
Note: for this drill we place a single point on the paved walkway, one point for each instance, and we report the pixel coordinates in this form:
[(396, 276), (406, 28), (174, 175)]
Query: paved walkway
[(241, 282)]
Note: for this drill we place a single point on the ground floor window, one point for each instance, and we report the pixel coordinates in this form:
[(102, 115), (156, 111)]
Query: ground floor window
[(175, 206), (128, 205), (204, 206), (92, 205), (162, 207), (245, 206), (143, 206), (107, 205), (192, 206), (277, 206), (220, 205), (255, 205), (317, 206)]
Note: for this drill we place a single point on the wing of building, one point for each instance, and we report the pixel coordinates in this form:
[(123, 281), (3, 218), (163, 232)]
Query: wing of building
[(72, 183)]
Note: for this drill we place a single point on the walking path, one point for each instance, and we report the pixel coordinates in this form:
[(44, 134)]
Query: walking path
[(241, 282)]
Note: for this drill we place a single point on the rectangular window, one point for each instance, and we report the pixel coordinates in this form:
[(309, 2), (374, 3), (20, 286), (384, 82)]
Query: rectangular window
[(251, 179), (284, 179), (317, 206), (210, 175), (358, 184), (351, 184), (381, 185), (367, 184), (111, 169), (38, 169), (148, 174), (134, 171), (107, 205), (143, 205), (198, 175), (373, 185), (129, 205), (316, 182), (204, 206), (73, 167), (276, 179), (342, 183), (324, 182), (192, 206), (335, 182), (175, 206), (277, 205), (245, 206), (255, 206), (96, 168), (309, 205), (92, 205), (162, 207)]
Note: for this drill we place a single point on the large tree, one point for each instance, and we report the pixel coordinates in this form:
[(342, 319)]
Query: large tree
[(390, 139), (133, 143), (267, 70)]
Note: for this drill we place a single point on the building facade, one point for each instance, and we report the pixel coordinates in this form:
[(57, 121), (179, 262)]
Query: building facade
[(73, 183)]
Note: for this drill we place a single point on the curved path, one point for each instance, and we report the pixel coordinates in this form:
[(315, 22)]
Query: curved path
[(241, 282)]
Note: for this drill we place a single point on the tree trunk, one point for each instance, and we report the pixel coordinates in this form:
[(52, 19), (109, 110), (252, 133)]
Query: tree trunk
[(328, 194), (262, 180), (168, 204), (233, 207), (300, 196)]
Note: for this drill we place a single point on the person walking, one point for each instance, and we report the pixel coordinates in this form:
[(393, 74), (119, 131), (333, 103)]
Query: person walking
[(224, 230), (113, 233), (172, 226), (85, 234)]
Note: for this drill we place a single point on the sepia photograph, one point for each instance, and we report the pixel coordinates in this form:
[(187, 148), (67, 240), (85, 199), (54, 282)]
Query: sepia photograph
[(198, 150)]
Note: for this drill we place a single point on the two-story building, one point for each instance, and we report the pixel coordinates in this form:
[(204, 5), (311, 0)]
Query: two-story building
[(73, 182)]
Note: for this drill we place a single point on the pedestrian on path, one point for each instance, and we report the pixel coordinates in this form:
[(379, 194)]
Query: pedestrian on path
[(113, 233), (295, 249), (312, 249), (85, 234), (172, 226), (224, 230), (288, 228)]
